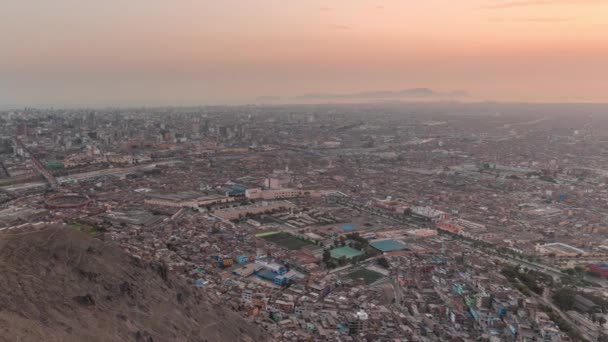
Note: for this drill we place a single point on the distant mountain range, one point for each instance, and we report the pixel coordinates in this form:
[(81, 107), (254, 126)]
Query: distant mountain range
[(387, 94), (412, 93)]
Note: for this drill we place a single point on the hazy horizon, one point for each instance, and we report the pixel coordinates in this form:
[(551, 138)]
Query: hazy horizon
[(68, 53)]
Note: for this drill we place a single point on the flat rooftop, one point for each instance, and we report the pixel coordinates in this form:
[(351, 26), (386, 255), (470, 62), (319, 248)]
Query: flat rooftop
[(603, 266), (269, 204), (562, 248), (135, 217), (389, 246), (545, 211), (345, 251), (185, 196)]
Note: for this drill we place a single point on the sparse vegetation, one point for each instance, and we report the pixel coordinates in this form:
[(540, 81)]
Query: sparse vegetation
[(529, 279), (564, 298), (94, 231), (383, 262), (563, 325)]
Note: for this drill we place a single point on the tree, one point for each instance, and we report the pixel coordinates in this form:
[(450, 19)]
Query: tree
[(383, 262), (564, 298), (569, 271), (171, 247), (326, 256), (602, 320)]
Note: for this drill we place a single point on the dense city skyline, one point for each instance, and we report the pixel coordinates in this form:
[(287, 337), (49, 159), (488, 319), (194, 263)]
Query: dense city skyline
[(366, 222), (68, 53)]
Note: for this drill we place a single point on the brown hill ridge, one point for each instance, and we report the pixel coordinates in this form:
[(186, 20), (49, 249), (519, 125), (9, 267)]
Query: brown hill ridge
[(58, 284)]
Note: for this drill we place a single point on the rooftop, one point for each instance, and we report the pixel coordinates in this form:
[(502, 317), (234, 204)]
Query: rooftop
[(389, 246), (346, 251), (558, 247), (185, 196)]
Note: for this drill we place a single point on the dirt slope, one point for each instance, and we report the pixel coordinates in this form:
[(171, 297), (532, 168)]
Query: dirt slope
[(58, 284)]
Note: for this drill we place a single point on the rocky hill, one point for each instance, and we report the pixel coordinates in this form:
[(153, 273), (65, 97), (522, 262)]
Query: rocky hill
[(59, 284)]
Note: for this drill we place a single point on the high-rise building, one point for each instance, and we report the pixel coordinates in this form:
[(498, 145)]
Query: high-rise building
[(358, 323)]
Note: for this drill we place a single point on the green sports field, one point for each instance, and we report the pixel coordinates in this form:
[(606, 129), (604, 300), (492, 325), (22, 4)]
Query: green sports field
[(367, 275), (287, 240)]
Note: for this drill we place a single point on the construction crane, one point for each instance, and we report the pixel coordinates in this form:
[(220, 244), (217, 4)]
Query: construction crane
[(50, 179)]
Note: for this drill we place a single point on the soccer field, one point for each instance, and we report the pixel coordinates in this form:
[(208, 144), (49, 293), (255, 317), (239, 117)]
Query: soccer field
[(367, 275), (287, 240)]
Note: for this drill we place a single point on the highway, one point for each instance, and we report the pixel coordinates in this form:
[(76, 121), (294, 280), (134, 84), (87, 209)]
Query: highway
[(122, 171)]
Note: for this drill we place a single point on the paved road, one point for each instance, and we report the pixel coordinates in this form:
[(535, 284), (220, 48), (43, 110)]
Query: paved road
[(121, 171)]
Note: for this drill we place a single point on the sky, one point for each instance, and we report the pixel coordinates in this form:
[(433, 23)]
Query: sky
[(197, 52)]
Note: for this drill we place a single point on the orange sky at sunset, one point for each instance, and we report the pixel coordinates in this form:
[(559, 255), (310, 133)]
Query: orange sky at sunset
[(68, 52)]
